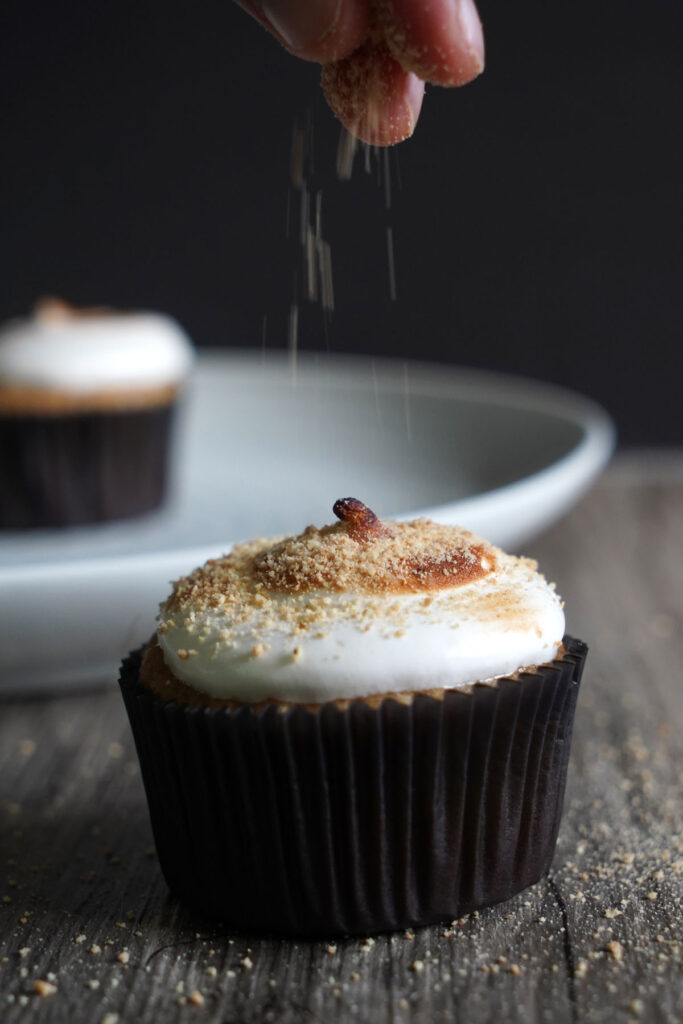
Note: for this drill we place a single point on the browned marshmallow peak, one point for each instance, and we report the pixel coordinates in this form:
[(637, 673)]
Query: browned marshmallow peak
[(360, 553)]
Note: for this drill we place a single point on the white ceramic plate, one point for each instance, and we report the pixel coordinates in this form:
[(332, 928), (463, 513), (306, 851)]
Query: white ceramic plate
[(265, 448)]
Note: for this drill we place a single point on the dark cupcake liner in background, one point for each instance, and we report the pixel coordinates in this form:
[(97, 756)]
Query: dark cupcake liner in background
[(319, 822), (68, 469)]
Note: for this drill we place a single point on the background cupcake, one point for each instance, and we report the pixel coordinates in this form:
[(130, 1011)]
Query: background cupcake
[(361, 728), (87, 401)]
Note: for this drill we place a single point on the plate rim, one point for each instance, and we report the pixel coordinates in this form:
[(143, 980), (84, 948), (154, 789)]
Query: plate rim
[(589, 456)]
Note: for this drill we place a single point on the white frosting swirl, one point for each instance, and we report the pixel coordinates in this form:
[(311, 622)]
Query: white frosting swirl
[(321, 645), (80, 354)]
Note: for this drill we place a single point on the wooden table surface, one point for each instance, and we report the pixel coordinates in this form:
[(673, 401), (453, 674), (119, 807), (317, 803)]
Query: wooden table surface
[(83, 907)]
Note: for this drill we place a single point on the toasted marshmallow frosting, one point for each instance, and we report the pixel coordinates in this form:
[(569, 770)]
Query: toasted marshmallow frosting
[(358, 609), (83, 351)]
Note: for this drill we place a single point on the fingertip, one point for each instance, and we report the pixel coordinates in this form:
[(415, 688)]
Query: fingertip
[(376, 99), (441, 42), (326, 30)]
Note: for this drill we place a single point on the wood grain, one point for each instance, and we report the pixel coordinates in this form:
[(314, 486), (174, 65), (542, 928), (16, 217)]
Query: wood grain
[(601, 939)]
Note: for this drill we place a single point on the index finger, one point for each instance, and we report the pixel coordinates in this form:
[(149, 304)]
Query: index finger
[(441, 42)]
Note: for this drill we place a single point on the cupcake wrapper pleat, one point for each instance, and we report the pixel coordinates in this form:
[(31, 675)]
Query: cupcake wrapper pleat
[(317, 822), (82, 467)]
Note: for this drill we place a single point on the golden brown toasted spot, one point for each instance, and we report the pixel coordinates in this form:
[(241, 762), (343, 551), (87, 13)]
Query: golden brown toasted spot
[(408, 558)]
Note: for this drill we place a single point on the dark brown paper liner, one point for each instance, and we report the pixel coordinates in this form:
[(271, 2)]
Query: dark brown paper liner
[(330, 821), (64, 470)]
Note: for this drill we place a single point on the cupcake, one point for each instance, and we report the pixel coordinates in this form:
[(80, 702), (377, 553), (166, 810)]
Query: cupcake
[(87, 400), (357, 729)]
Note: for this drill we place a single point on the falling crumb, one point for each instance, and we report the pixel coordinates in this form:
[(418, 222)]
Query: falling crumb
[(24, 951), (196, 998), (612, 912), (355, 976), (331, 949), (95, 949), (79, 938), (247, 963), (636, 1006), (44, 988), (93, 984), (212, 971), (616, 951), (123, 957), (408, 934), (515, 969), (258, 650), (110, 1018), (417, 966), (652, 895)]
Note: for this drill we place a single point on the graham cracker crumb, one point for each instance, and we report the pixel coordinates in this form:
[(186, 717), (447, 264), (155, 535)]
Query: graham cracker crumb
[(196, 998), (616, 951), (44, 988), (581, 969)]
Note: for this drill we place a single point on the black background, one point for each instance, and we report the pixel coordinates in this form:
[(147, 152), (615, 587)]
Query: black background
[(536, 214)]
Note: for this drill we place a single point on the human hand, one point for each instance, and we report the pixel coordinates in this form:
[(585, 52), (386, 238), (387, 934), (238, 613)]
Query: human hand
[(377, 54)]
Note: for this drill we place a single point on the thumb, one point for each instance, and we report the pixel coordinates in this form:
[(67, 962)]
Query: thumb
[(318, 30)]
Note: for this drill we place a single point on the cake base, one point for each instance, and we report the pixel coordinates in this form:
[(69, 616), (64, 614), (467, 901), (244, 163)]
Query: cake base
[(328, 821), (82, 467)]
